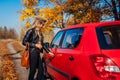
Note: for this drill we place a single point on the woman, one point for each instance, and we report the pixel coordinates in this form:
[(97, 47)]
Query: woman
[(35, 39)]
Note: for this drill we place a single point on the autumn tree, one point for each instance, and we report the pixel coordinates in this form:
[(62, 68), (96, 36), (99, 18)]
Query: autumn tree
[(29, 11), (12, 34), (114, 8), (61, 13), (6, 33), (84, 11), (1, 32), (55, 15), (67, 12)]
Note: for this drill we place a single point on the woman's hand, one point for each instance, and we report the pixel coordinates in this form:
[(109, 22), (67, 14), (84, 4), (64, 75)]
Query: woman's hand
[(51, 54), (38, 46)]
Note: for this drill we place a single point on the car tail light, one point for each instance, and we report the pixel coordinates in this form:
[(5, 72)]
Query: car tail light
[(105, 67)]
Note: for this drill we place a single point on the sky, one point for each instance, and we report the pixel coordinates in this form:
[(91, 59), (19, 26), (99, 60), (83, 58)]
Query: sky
[(10, 13)]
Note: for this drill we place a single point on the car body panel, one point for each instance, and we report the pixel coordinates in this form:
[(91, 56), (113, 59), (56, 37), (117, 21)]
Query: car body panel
[(70, 63), (113, 54)]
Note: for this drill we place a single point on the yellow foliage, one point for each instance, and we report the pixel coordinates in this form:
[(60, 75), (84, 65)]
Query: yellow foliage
[(27, 24), (7, 78), (53, 15), (30, 3), (82, 11), (27, 13), (47, 28), (7, 71), (79, 11)]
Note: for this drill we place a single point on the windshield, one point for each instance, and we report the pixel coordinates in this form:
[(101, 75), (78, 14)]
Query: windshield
[(109, 37)]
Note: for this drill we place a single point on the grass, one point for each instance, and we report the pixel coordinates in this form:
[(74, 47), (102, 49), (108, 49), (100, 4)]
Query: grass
[(7, 71)]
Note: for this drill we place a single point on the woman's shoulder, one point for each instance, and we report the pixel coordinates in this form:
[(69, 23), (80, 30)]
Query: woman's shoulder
[(31, 30)]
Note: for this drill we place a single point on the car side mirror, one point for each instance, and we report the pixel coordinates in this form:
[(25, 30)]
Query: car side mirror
[(46, 44)]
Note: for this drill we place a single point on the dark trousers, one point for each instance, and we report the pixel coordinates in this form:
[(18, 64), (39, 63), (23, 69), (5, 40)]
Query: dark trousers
[(36, 63)]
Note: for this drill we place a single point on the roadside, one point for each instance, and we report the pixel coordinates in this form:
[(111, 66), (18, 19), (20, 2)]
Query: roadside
[(7, 71), (21, 71)]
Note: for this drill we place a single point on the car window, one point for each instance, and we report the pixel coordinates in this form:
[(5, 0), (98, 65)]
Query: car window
[(56, 41), (109, 37), (72, 38)]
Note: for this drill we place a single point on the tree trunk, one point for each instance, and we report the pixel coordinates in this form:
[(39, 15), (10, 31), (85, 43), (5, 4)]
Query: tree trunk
[(119, 9), (114, 10)]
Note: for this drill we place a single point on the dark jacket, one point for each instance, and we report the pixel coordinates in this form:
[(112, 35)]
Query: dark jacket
[(33, 38)]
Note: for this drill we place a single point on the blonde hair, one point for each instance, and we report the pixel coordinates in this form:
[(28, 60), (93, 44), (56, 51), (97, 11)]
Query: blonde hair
[(40, 20)]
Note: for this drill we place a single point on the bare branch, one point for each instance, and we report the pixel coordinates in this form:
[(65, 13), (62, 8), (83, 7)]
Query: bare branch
[(108, 3)]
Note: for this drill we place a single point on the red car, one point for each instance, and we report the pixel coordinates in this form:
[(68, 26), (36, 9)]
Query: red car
[(86, 52)]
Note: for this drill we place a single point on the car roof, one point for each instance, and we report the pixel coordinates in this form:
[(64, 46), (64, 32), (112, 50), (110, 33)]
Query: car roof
[(97, 24)]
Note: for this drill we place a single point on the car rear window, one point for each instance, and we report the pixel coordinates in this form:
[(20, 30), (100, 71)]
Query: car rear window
[(109, 37)]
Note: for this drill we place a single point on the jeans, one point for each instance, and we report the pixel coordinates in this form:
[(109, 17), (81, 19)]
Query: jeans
[(36, 63)]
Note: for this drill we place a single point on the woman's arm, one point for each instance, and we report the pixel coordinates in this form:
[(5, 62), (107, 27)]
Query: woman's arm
[(48, 51)]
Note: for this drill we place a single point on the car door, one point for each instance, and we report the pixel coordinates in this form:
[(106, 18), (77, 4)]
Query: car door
[(68, 53), (55, 45), (53, 65)]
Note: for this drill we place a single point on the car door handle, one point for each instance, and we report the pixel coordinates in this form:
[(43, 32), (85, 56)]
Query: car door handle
[(71, 58)]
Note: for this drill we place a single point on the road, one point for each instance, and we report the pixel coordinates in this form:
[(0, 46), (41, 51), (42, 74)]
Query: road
[(21, 71)]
